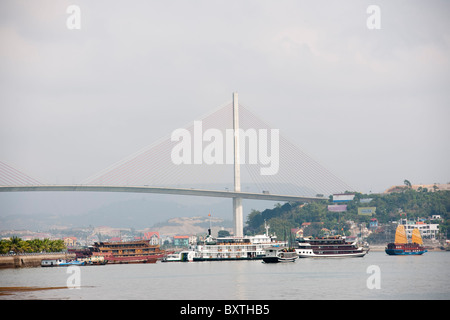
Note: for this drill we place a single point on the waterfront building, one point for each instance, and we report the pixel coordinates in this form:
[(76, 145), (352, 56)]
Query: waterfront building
[(153, 236), (70, 241), (427, 230), (181, 241), (297, 233)]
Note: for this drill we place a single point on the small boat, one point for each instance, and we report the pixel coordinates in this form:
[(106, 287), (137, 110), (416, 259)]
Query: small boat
[(94, 260), (183, 256), (279, 254), (61, 263), (73, 263), (52, 262), (401, 247)]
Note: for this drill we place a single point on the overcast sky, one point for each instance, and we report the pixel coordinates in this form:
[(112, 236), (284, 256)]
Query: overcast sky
[(373, 106)]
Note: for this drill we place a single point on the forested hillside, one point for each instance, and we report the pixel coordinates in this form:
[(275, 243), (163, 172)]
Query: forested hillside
[(389, 207)]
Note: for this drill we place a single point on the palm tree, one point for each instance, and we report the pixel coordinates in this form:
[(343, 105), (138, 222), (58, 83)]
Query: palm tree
[(17, 245), (57, 245)]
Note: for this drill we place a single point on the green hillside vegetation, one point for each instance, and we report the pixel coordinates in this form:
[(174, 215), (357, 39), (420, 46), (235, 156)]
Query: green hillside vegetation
[(389, 207)]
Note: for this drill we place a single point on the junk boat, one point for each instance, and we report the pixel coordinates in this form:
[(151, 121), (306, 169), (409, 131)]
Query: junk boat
[(329, 247), (277, 254), (400, 246), (140, 251)]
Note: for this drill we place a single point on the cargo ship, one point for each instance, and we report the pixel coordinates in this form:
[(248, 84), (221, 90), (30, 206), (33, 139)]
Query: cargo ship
[(329, 247), (140, 251), (400, 246)]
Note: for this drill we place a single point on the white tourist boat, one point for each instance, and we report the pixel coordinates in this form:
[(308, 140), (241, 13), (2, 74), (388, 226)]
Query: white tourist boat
[(235, 248), (329, 247)]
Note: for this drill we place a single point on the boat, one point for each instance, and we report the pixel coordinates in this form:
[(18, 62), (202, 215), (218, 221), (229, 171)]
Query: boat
[(61, 263), (329, 247), (183, 256), (140, 251), (94, 260), (400, 246), (278, 254), (234, 248), (52, 262)]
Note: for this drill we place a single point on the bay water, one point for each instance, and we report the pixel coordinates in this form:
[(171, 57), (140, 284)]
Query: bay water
[(375, 276)]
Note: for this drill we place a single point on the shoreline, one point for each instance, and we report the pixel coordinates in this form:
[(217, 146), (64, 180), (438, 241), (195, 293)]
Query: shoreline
[(31, 260)]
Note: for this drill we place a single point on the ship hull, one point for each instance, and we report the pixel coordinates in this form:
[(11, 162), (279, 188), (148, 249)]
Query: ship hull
[(406, 249), (400, 252), (225, 259), (334, 255), (278, 259)]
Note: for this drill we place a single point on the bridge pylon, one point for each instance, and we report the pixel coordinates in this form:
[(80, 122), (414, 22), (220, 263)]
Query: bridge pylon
[(238, 218)]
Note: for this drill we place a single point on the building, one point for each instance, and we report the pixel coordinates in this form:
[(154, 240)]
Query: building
[(373, 224), (427, 230), (70, 241), (297, 232), (181, 241), (153, 236)]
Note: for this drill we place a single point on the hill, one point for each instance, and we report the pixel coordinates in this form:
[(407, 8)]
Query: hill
[(389, 207)]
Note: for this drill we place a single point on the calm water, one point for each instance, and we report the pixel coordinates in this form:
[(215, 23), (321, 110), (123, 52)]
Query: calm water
[(401, 277)]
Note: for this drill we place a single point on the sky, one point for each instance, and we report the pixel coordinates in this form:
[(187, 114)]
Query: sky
[(371, 105)]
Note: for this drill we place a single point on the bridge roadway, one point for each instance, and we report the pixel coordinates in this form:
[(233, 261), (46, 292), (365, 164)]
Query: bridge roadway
[(161, 190)]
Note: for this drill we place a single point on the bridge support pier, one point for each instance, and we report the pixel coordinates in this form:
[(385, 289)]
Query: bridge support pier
[(238, 217)]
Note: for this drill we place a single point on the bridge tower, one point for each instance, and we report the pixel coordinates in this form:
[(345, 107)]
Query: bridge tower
[(237, 202)]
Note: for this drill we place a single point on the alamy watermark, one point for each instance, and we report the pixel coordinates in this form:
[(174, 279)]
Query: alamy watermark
[(73, 21), (373, 22), (374, 280), (219, 149), (74, 280)]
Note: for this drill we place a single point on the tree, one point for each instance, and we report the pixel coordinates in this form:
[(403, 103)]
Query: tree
[(407, 183), (15, 244), (18, 245), (223, 233)]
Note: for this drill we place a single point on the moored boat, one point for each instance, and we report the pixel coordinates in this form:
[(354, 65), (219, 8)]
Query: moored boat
[(279, 254), (61, 263), (329, 247), (235, 248), (94, 260), (140, 251), (401, 247), (183, 256)]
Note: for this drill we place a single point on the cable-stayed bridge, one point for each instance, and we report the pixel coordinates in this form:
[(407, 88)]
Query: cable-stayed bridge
[(228, 153)]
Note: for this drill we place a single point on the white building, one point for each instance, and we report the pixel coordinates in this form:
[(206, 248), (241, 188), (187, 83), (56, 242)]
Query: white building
[(427, 230)]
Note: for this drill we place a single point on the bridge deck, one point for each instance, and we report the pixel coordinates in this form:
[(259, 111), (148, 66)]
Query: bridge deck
[(161, 190)]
